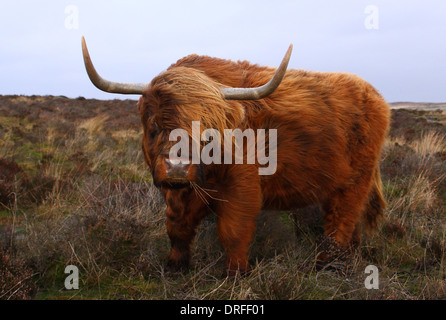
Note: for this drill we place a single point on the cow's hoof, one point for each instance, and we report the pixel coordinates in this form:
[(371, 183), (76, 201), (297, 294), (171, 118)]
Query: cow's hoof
[(176, 267), (332, 256), (236, 273)]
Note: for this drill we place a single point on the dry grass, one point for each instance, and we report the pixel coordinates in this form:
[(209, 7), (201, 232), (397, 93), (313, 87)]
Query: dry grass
[(74, 190), (430, 144)]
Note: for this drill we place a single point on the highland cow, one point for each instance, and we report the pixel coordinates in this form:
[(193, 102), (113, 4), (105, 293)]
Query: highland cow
[(330, 130)]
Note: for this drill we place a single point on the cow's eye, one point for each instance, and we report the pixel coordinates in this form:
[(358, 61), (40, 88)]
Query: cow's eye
[(155, 131), (153, 134)]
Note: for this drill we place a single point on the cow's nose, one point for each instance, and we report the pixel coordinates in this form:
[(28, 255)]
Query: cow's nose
[(177, 168)]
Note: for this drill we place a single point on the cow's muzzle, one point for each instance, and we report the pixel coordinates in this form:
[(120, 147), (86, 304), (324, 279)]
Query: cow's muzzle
[(177, 169), (177, 173)]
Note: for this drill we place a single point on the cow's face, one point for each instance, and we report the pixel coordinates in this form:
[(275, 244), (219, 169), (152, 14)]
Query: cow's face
[(173, 100)]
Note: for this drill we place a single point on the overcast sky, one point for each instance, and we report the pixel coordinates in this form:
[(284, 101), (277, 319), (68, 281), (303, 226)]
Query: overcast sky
[(398, 46)]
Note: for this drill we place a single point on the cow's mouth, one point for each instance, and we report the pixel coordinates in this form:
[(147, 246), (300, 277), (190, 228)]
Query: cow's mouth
[(174, 185)]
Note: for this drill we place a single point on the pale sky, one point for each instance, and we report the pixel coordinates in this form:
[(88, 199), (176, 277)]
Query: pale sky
[(398, 46)]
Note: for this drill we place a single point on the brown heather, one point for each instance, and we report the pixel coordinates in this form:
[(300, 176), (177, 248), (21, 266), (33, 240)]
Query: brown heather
[(74, 189)]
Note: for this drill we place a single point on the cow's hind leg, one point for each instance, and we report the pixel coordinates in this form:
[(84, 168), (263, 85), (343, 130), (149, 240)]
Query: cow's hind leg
[(342, 217)]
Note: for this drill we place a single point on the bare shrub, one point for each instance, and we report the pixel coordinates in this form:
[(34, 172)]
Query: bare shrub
[(115, 228), (15, 278), (9, 174)]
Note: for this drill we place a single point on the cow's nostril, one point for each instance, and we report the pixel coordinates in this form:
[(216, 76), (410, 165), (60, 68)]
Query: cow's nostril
[(168, 163)]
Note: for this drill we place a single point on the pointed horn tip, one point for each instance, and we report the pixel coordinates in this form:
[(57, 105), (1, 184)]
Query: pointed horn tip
[(84, 44), (289, 51)]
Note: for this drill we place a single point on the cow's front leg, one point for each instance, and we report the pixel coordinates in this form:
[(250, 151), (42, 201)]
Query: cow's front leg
[(237, 216), (184, 212)]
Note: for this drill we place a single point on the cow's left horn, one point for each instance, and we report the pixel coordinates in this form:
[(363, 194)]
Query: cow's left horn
[(263, 91), (105, 85)]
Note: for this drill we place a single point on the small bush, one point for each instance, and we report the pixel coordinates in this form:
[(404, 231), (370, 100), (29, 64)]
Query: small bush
[(16, 281)]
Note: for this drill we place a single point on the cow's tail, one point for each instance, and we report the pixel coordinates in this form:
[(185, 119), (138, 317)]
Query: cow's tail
[(374, 211)]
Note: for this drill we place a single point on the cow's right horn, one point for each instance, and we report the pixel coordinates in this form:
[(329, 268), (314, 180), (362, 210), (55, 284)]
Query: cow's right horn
[(262, 91), (105, 85)]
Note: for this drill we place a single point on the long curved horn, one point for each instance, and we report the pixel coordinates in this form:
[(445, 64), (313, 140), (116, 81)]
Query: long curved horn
[(105, 85), (263, 91)]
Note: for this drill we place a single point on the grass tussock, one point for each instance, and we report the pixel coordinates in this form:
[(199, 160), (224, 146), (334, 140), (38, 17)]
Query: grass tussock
[(74, 190)]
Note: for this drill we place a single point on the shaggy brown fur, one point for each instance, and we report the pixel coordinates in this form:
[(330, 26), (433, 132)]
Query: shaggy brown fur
[(330, 129)]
